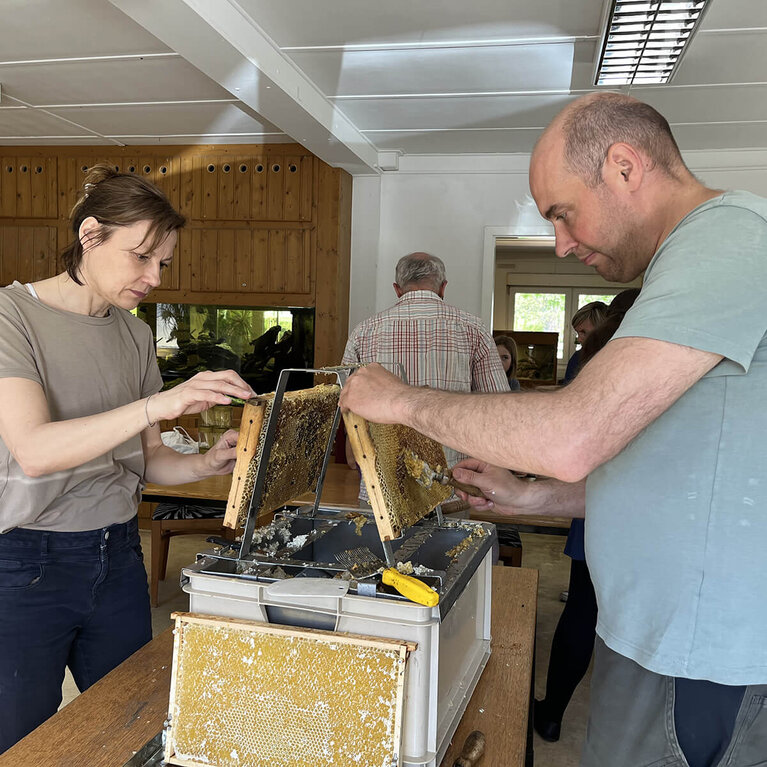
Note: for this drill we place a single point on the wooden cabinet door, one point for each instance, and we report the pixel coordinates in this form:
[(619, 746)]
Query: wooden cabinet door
[(252, 187), (27, 253), (28, 187), (263, 261)]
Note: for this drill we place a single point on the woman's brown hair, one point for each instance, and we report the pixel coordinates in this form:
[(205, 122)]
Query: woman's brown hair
[(118, 199)]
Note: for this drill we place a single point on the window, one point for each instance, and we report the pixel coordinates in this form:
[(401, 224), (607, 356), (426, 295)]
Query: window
[(540, 310), (551, 310)]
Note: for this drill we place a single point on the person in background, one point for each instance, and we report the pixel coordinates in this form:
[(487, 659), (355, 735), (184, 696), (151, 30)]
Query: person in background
[(660, 440), (583, 322), (507, 351), (573, 641), (78, 440), (437, 344)]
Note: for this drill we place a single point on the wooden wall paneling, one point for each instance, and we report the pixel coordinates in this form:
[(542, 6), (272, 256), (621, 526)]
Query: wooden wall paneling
[(224, 258), (51, 165), (9, 251), (277, 261), (275, 188), (241, 181), (171, 276), (297, 259), (23, 188), (306, 171), (204, 249), (260, 250), (43, 182), (196, 192), (258, 261), (161, 171), (171, 178), (44, 245), (333, 253), (258, 196), (27, 253), (186, 195), (311, 263), (243, 260), (64, 236), (25, 256), (8, 188), (69, 183), (195, 246), (225, 207), (209, 189), (299, 187), (292, 178)]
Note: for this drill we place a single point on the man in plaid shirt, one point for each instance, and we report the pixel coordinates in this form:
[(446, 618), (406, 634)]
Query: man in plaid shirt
[(437, 344)]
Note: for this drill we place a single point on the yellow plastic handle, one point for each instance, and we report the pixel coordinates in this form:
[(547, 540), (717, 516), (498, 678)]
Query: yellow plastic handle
[(412, 588)]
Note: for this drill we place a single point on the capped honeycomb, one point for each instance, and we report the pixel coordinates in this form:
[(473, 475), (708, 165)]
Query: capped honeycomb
[(248, 694), (381, 451), (304, 424)]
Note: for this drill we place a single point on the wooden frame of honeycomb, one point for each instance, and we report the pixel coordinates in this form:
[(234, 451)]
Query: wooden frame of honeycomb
[(380, 450), (244, 692), (304, 425)]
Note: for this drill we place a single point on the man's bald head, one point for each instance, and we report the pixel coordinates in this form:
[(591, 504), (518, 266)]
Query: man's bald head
[(585, 130)]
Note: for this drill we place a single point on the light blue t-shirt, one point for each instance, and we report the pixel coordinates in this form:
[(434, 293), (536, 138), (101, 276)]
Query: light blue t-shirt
[(676, 524)]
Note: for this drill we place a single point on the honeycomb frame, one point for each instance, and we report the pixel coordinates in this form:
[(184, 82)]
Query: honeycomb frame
[(250, 693), (398, 500), (304, 425)]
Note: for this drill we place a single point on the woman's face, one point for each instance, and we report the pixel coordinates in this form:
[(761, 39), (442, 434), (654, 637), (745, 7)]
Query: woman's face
[(582, 331), (505, 356), (121, 270)]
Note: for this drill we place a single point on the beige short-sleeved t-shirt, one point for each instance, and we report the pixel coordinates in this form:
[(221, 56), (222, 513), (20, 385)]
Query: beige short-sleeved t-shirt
[(85, 365)]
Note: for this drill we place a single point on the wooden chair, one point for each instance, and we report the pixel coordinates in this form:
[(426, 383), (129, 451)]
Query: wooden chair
[(163, 530)]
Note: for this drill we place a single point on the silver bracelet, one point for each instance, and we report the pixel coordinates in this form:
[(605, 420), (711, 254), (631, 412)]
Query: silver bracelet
[(146, 411)]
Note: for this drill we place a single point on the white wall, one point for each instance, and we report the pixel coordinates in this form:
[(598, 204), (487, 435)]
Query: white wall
[(442, 204), (366, 228)]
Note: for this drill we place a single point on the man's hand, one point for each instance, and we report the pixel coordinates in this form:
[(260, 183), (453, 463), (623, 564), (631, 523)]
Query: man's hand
[(520, 497), (220, 459), (376, 394), (505, 493)]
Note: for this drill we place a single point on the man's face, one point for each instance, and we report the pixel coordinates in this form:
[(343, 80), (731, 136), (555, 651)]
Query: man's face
[(600, 228)]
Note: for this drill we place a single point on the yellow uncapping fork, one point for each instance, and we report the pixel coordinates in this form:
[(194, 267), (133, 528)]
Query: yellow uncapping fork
[(362, 561)]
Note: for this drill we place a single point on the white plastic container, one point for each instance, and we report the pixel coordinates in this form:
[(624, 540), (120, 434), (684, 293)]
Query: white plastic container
[(442, 672)]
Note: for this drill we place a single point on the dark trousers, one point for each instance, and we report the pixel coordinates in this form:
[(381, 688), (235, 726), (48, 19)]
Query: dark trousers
[(572, 645), (66, 599), (642, 719)]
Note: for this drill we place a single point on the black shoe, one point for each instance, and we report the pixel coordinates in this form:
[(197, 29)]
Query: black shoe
[(546, 728)]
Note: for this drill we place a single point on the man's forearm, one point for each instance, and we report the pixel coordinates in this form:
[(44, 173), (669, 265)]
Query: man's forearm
[(517, 432), (557, 499)]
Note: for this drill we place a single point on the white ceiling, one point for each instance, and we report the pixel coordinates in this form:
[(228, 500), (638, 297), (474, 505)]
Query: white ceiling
[(356, 81)]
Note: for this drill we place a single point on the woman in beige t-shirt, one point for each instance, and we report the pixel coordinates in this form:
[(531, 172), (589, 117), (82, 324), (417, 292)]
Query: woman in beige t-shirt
[(81, 400)]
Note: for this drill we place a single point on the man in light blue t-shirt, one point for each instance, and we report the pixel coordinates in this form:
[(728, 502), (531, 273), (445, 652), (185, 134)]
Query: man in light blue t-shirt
[(661, 441)]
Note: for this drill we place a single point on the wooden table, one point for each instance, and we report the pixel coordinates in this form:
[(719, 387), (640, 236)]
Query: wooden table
[(105, 725), (544, 525), (340, 489)]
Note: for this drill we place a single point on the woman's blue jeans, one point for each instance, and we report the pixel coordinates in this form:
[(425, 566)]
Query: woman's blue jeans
[(66, 599)]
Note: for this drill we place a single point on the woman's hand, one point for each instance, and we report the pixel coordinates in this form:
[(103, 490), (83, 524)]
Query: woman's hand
[(506, 494), (220, 459), (199, 393)]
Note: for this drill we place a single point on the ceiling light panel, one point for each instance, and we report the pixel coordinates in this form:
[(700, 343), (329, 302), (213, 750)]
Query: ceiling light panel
[(644, 40)]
